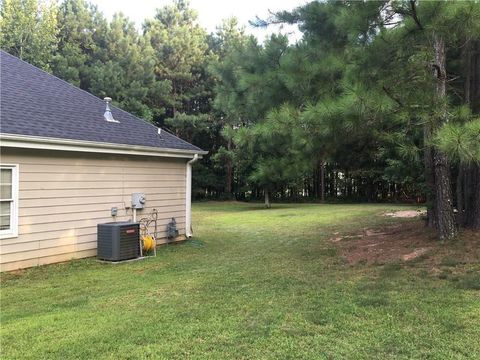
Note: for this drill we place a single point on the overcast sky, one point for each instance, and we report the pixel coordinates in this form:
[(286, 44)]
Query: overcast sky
[(210, 12)]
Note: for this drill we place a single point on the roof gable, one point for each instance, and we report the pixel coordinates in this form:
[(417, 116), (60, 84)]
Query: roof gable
[(35, 103)]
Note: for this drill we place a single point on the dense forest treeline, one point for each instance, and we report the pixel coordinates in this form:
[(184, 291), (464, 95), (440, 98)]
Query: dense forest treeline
[(379, 101)]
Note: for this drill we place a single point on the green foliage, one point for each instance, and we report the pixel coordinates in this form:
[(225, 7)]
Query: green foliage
[(29, 30), (128, 74), (180, 53), (277, 161), (82, 40), (460, 141), (230, 45), (355, 94)]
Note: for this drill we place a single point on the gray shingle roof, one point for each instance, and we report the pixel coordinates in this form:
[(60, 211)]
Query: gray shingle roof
[(35, 103)]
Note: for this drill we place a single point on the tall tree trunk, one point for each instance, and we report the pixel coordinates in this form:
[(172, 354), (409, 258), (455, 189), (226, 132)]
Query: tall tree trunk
[(229, 170), (446, 228), (369, 189), (471, 196), (429, 178), (460, 191), (472, 79), (346, 180), (322, 180), (473, 219), (267, 199), (335, 183), (315, 181), (471, 181), (330, 181), (228, 184)]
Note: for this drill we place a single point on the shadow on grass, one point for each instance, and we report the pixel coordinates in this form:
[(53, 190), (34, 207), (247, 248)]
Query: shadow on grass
[(469, 281)]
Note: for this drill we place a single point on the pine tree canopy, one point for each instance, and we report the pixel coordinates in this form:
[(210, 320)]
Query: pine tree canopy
[(378, 101)]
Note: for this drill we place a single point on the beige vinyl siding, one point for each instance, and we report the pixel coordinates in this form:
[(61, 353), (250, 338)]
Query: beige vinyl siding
[(64, 195)]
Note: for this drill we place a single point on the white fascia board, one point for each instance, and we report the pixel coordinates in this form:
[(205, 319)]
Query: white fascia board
[(36, 142)]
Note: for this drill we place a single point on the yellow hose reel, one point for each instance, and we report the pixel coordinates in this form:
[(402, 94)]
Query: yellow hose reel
[(148, 243)]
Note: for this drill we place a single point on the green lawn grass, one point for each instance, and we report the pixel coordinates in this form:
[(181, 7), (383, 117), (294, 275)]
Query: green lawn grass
[(252, 284)]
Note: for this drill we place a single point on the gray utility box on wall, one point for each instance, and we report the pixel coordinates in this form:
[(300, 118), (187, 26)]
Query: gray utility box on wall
[(138, 200), (118, 241)]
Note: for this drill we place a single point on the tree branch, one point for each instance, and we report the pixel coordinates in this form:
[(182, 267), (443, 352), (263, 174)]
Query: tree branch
[(413, 8), (391, 96)]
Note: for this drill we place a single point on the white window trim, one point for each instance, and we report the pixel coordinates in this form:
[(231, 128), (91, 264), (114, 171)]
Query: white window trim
[(13, 231)]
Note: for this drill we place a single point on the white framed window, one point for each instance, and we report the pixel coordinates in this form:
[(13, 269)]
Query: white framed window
[(8, 201)]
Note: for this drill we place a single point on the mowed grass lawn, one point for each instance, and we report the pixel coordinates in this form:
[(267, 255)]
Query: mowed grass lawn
[(252, 284)]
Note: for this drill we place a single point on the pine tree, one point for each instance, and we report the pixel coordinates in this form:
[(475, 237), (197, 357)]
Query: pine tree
[(82, 41), (29, 30), (180, 54), (128, 74), (229, 43)]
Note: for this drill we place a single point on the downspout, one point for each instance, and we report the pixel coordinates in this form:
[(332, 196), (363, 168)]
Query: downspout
[(188, 198)]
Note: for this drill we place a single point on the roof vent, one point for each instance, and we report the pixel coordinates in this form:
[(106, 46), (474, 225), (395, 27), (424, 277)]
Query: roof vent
[(108, 113)]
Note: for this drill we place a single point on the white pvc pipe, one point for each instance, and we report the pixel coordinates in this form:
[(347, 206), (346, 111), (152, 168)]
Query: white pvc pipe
[(188, 198)]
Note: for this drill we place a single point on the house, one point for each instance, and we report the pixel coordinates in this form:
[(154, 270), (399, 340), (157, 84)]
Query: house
[(69, 160)]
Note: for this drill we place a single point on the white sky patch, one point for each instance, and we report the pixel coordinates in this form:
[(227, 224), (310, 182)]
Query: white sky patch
[(211, 13)]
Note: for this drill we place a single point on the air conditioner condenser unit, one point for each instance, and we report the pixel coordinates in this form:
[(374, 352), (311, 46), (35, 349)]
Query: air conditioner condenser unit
[(118, 241)]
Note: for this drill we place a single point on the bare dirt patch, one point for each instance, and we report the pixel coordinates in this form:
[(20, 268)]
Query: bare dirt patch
[(407, 242), (406, 213)]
